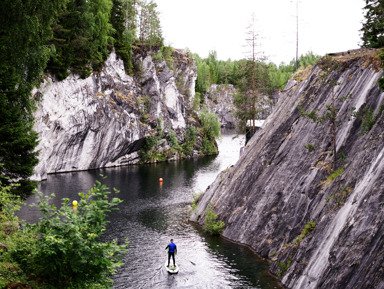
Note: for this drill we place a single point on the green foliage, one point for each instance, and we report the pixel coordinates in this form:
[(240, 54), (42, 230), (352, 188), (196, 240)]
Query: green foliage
[(144, 104), (309, 227), (190, 140), (150, 33), (210, 123), (211, 130), (123, 37), (10, 236), (195, 197), (167, 55), (283, 267), (172, 139), (373, 27), (197, 101), (67, 253), (368, 118), (254, 82), (338, 198), (213, 71), (81, 37), (210, 224), (24, 33), (147, 151), (332, 176), (282, 73), (310, 147), (208, 147)]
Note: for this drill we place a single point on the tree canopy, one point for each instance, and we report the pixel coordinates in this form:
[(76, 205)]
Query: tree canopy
[(24, 35), (58, 36), (373, 27)]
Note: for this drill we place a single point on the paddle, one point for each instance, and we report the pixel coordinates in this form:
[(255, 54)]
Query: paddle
[(194, 264)]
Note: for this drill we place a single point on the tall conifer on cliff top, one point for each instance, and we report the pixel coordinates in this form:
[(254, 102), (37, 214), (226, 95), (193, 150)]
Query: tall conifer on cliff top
[(24, 33)]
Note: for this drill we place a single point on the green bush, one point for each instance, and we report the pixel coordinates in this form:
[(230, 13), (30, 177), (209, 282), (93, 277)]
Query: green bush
[(10, 235), (310, 147), (208, 147), (147, 151), (307, 229), (283, 267), (195, 198), (210, 123), (172, 139), (332, 176), (210, 224), (68, 252), (368, 118), (190, 140)]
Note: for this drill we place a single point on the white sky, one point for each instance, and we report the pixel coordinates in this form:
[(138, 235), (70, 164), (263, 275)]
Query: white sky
[(325, 26)]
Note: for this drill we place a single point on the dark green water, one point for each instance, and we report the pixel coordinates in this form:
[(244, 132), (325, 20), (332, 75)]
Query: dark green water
[(151, 214)]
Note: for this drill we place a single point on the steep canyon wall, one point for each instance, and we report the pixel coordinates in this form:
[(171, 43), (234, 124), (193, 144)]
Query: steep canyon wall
[(320, 229), (103, 120)]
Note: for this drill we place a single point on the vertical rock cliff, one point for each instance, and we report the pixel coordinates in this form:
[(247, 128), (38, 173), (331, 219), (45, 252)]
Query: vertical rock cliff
[(320, 228), (103, 120)]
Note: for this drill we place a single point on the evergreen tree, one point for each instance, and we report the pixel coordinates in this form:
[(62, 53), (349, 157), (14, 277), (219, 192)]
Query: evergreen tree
[(123, 47), (373, 27), (150, 33), (72, 41), (81, 38), (254, 80), (24, 33), (101, 31)]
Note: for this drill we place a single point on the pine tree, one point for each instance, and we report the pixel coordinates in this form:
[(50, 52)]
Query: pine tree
[(254, 80), (373, 27), (123, 47), (24, 33), (150, 33)]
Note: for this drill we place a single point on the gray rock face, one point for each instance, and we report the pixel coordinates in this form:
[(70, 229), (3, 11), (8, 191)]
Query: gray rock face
[(103, 120), (282, 182), (219, 99)]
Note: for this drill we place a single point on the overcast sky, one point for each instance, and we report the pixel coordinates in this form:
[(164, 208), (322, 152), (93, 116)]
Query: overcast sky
[(203, 25)]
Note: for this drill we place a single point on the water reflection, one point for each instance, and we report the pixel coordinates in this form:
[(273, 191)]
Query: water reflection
[(152, 213)]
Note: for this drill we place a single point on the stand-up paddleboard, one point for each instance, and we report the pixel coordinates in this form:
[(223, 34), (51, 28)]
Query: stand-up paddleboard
[(171, 269)]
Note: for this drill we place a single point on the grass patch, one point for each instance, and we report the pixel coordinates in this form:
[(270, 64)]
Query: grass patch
[(331, 177), (307, 229)]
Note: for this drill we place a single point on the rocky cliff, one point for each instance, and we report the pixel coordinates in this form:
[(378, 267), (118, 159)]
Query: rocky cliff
[(220, 100), (104, 120), (321, 228)]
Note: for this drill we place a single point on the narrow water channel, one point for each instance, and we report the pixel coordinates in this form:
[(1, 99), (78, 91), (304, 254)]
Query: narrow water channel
[(152, 213)]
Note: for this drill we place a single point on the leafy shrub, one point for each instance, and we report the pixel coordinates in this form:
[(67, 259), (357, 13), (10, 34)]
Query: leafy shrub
[(67, 253), (147, 151), (310, 147), (210, 123), (172, 139), (210, 224), (283, 267), (368, 118), (10, 235), (208, 147), (332, 176), (307, 229), (195, 198), (338, 198), (196, 101), (167, 54), (190, 140)]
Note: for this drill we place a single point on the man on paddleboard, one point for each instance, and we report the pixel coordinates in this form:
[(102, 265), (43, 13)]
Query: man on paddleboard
[(171, 252)]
